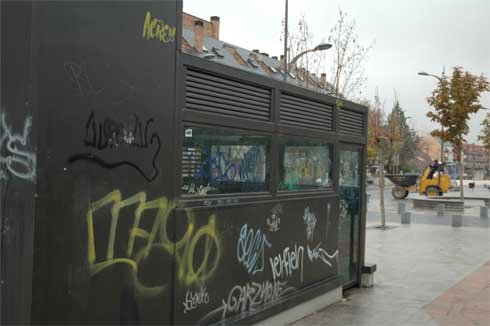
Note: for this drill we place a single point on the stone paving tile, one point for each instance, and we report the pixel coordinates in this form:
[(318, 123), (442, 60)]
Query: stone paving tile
[(467, 303)]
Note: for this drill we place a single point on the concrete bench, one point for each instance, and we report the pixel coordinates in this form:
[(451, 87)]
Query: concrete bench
[(433, 203), (486, 200)]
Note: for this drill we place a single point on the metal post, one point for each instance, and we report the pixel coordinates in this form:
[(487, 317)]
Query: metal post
[(442, 144), (286, 42), (443, 78)]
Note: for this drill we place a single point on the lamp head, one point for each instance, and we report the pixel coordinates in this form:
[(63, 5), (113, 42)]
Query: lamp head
[(322, 46)]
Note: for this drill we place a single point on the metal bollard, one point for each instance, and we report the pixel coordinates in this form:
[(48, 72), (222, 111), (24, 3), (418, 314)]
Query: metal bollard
[(484, 212), (401, 208), (457, 220), (406, 218), (441, 209)]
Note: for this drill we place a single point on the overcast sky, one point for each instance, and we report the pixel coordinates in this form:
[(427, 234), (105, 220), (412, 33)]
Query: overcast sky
[(410, 36)]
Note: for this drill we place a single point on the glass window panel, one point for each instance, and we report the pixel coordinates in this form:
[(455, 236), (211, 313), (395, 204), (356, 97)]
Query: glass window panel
[(349, 192), (305, 164), (218, 161)]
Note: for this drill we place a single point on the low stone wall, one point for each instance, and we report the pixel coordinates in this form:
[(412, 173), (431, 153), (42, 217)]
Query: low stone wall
[(449, 204)]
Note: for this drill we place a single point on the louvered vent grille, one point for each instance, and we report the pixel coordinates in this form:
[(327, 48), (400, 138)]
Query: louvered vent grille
[(351, 123), (304, 113), (213, 94)]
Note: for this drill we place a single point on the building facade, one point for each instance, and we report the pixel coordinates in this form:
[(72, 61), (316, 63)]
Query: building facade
[(476, 161)]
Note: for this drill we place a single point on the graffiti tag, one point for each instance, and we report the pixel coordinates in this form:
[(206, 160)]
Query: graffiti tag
[(154, 28), (16, 158), (320, 253), (111, 134), (275, 219), (195, 299), (190, 269), (310, 221), (283, 265), (248, 297), (250, 249)]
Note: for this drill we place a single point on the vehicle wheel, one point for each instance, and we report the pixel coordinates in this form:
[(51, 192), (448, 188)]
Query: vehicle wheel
[(399, 192), (432, 191)]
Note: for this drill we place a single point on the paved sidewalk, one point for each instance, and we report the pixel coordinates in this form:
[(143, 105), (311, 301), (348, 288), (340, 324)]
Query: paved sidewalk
[(422, 270), (467, 303)]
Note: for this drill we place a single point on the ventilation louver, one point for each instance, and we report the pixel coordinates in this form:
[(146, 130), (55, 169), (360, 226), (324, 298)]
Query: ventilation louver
[(351, 123), (304, 113), (213, 94)]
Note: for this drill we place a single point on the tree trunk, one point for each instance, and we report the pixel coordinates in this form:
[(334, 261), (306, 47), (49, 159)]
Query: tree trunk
[(461, 173), (382, 194), (488, 167)]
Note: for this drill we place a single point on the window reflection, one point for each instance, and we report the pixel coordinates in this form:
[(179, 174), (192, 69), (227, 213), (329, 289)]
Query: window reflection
[(349, 210), (305, 164)]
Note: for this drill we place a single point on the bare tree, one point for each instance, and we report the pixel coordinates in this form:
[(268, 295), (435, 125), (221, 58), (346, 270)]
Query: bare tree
[(348, 66), (345, 61)]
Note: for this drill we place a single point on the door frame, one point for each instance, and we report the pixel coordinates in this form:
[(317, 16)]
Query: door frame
[(362, 210)]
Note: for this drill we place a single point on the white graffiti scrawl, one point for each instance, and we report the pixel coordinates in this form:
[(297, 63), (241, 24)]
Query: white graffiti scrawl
[(275, 219), (15, 157), (195, 299), (321, 254), (310, 221), (249, 297)]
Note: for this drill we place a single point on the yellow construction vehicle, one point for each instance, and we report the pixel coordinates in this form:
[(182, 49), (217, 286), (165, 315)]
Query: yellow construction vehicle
[(406, 183)]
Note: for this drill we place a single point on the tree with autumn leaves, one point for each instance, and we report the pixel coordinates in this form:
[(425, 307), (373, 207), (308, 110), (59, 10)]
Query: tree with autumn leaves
[(453, 101), (377, 144)]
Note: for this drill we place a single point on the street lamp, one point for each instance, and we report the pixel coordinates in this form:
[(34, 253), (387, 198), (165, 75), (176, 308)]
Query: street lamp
[(423, 73), (319, 47)]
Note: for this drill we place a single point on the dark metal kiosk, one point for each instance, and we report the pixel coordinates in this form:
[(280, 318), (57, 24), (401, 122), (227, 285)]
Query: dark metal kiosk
[(142, 185)]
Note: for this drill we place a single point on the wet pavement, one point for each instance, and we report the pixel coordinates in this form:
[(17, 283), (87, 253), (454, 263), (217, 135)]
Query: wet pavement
[(429, 273), (471, 216)]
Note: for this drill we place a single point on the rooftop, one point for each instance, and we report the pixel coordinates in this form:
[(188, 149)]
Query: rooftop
[(213, 49)]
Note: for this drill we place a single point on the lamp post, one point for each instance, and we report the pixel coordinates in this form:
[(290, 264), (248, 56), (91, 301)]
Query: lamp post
[(441, 79), (286, 42), (319, 47)]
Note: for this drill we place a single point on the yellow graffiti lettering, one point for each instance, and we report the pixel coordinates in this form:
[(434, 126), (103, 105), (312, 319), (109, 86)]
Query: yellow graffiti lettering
[(158, 29), (187, 273), (154, 239)]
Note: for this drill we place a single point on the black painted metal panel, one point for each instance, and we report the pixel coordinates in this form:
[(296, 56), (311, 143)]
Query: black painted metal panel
[(18, 146), (106, 85), (251, 259)]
